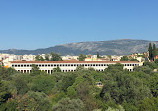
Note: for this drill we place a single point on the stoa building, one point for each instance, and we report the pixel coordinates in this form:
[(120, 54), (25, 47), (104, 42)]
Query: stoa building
[(67, 66)]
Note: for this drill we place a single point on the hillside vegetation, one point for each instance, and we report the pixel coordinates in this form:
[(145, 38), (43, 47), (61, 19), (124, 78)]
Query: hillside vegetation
[(118, 89)]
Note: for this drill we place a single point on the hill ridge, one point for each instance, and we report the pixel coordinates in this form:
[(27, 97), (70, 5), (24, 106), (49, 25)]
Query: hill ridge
[(110, 47)]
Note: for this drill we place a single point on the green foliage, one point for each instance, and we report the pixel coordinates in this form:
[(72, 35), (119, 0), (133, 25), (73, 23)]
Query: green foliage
[(145, 69), (132, 59), (21, 85), (34, 101), (57, 97), (6, 73), (80, 68), (98, 56), (83, 90), (122, 90), (117, 66), (124, 58), (57, 69), (68, 81), (129, 106), (120, 108), (35, 70), (67, 104), (71, 92), (109, 56), (152, 65), (152, 51), (120, 86), (55, 57), (156, 61), (4, 92), (10, 105), (43, 84), (148, 104), (153, 84), (39, 58), (81, 57), (49, 57)]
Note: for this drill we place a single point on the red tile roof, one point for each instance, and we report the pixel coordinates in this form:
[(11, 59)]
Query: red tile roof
[(74, 62)]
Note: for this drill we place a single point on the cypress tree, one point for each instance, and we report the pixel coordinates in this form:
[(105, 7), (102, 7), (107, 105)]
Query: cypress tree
[(150, 51), (154, 50), (98, 56)]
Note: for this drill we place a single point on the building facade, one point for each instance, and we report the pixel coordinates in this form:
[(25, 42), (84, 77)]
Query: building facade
[(68, 66)]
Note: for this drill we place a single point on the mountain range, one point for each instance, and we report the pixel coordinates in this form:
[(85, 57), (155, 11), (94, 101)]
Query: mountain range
[(113, 47)]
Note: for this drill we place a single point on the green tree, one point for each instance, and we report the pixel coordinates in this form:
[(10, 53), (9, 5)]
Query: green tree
[(6, 73), (81, 57), (55, 57), (132, 59), (4, 92), (153, 84), (34, 101), (145, 69), (152, 65), (35, 70), (21, 85), (68, 80), (98, 56), (150, 52), (10, 105), (66, 104), (57, 69), (71, 92), (156, 61), (79, 68), (129, 106), (120, 108), (148, 104), (39, 58), (83, 91), (47, 57), (43, 83), (116, 66), (154, 50), (120, 86), (109, 56), (124, 58)]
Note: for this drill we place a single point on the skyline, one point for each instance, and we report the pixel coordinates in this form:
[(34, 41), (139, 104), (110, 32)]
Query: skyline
[(78, 42), (41, 24)]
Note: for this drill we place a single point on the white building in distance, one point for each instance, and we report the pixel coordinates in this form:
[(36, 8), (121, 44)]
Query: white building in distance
[(67, 66)]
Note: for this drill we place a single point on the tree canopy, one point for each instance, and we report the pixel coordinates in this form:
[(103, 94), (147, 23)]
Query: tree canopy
[(49, 57), (81, 57), (121, 90)]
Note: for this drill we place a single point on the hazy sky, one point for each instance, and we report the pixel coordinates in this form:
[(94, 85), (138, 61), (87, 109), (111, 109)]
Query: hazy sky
[(32, 24)]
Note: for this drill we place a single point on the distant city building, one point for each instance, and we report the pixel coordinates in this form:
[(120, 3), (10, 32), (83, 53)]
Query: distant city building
[(68, 57), (28, 57)]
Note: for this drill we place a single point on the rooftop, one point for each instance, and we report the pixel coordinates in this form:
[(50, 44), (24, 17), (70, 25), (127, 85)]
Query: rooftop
[(74, 62)]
